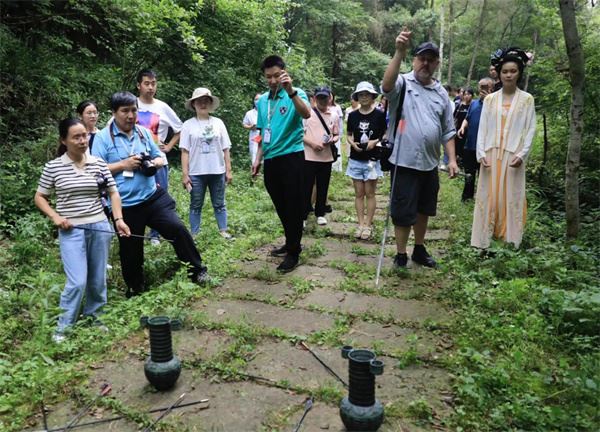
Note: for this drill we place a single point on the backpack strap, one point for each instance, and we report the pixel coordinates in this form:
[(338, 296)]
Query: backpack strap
[(399, 110)]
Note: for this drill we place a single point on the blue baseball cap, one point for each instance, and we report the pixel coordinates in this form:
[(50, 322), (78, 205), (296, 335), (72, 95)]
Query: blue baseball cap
[(322, 91), (427, 46)]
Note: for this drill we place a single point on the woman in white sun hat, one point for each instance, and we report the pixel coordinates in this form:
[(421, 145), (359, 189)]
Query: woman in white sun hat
[(366, 127), (205, 160)]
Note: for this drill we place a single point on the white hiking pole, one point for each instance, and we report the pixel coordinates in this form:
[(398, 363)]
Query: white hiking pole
[(400, 130)]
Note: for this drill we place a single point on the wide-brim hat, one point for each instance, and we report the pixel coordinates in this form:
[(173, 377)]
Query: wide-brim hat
[(364, 86), (198, 93)]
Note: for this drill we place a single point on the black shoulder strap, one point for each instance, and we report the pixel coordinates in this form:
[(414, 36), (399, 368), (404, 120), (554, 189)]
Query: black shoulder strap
[(322, 121), (399, 109)]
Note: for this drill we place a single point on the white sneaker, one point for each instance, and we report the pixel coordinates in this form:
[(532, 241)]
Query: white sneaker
[(225, 235), (321, 220), (155, 242), (58, 338)]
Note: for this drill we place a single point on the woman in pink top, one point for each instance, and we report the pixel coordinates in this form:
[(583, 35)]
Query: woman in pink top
[(321, 131)]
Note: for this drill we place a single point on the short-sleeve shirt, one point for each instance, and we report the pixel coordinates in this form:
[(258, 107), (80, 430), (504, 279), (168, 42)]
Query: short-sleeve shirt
[(112, 149), (370, 125), (473, 117), (428, 120), (280, 116), (314, 130), (205, 140), (77, 194), (157, 117), (250, 119)]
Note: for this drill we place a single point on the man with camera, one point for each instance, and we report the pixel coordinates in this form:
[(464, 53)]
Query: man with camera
[(426, 124), (280, 114), (133, 158)]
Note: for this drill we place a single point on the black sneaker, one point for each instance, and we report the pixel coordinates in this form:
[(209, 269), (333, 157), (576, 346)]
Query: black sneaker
[(400, 260), (289, 263), (134, 292), (420, 256), (279, 252), (328, 209)]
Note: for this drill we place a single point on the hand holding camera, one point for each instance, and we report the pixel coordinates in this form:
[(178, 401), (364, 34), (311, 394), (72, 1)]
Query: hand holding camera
[(147, 166), (131, 163)]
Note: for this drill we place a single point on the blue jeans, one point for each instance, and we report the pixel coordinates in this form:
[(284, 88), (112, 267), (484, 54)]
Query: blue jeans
[(84, 255), (162, 179), (216, 186)]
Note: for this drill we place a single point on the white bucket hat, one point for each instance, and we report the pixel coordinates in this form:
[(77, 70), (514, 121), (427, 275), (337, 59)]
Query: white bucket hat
[(198, 93), (364, 86)]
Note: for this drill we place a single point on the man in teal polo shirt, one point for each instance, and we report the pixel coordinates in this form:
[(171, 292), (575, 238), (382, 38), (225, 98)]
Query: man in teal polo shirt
[(280, 114)]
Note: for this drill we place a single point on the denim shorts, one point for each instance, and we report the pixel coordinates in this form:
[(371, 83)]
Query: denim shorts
[(364, 170)]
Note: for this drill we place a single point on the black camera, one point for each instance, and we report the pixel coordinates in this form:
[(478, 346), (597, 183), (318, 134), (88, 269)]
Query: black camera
[(363, 146), (147, 167), (102, 182)]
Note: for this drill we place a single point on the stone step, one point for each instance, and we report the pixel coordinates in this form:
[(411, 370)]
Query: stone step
[(292, 321), (356, 304)]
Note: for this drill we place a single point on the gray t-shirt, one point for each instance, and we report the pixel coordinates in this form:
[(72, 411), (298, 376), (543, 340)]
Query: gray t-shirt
[(428, 123)]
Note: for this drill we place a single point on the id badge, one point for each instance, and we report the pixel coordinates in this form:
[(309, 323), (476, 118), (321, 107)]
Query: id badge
[(128, 174), (267, 136)]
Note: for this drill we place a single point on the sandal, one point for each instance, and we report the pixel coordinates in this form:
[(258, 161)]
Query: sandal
[(359, 231), (366, 233)]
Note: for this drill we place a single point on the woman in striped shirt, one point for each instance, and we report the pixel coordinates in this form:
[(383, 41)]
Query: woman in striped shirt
[(84, 231)]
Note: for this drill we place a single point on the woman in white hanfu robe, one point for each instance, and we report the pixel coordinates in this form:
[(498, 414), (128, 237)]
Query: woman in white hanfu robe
[(506, 131)]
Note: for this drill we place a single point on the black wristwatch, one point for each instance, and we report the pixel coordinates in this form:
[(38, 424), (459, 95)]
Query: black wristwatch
[(293, 95)]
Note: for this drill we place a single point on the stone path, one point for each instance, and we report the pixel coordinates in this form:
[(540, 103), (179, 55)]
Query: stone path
[(240, 346)]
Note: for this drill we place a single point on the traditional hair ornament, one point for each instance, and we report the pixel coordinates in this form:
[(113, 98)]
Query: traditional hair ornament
[(509, 54)]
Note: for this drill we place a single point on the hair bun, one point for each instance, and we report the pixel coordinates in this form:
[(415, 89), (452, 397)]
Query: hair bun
[(509, 54)]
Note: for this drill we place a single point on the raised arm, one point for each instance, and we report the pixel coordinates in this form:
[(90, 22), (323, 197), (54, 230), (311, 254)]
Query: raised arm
[(391, 72)]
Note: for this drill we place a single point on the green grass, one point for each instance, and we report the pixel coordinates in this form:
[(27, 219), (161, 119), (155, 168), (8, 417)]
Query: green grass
[(525, 334)]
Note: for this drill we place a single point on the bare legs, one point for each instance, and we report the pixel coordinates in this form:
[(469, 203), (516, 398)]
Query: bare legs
[(402, 233), (364, 189)]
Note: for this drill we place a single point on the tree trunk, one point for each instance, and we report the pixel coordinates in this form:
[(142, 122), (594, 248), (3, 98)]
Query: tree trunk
[(442, 25), (535, 38), (577, 77), (335, 64), (478, 34), (450, 36)]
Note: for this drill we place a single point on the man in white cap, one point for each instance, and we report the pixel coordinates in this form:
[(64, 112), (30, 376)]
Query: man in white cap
[(426, 125)]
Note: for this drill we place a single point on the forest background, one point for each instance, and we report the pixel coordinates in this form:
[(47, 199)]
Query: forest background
[(56, 53), (53, 54)]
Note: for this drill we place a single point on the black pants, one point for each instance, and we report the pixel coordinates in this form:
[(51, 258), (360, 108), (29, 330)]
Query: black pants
[(284, 180), (157, 212), (319, 172), (471, 169)]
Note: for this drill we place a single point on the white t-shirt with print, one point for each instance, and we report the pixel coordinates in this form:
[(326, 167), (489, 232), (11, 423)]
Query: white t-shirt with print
[(205, 141), (163, 118)]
